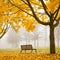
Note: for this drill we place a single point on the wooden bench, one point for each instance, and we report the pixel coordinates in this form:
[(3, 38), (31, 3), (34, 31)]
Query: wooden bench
[(27, 47)]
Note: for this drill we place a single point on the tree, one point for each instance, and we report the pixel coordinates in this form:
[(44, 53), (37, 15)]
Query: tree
[(57, 32), (13, 38), (14, 17), (29, 11), (36, 36), (51, 12)]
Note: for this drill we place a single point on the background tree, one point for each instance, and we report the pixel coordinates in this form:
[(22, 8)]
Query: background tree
[(13, 38), (57, 36), (36, 36)]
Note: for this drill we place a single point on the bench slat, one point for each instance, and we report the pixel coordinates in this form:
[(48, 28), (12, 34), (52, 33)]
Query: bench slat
[(27, 47)]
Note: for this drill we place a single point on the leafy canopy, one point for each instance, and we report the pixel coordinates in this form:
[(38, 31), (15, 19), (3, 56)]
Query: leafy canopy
[(17, 13)]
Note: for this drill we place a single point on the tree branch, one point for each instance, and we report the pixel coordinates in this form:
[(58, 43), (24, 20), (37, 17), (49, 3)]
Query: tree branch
[(56, 12), (56, 9), (3, 32), (56, 24), (34, 15), (20, 8), (24, 2), (58, 18), (45, 7), (10, 14)]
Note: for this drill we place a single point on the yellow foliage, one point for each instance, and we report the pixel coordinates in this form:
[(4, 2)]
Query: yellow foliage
[(44, 18), (52, 5), (58, 15), (12, 15)]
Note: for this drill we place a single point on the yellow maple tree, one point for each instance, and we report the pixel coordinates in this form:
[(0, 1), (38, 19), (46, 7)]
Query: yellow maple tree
[(28, 13)]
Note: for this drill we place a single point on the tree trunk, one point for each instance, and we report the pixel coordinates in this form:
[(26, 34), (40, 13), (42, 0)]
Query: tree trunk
[(52, 40), (35, 43), (38, 43)]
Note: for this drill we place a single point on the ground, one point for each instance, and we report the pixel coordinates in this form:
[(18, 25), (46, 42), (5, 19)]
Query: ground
[(17, 55), (28, 56)]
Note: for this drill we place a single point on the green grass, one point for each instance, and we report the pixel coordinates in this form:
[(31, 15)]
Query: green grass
[(57, 49), (38, 50), (43, 50), (47, 49), (10, 50)]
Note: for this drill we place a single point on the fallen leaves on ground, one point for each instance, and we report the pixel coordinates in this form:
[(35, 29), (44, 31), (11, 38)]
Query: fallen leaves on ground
[(28, 56)]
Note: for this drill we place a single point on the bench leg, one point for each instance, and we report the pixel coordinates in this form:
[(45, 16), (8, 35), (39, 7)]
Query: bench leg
[(25, 51), (35, 50), (31, 51), (20, 51)]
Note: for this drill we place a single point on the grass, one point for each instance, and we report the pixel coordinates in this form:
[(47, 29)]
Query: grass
[(57, 49), (8, 50), (38, 50)]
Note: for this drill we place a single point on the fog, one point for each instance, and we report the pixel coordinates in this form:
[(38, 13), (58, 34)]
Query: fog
[(38, 38)]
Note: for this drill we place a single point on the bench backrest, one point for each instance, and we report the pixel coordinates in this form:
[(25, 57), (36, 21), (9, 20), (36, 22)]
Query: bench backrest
[(26, 47)]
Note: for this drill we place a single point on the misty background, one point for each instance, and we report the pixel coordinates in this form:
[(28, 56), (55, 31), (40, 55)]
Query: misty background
[(38, 38)]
